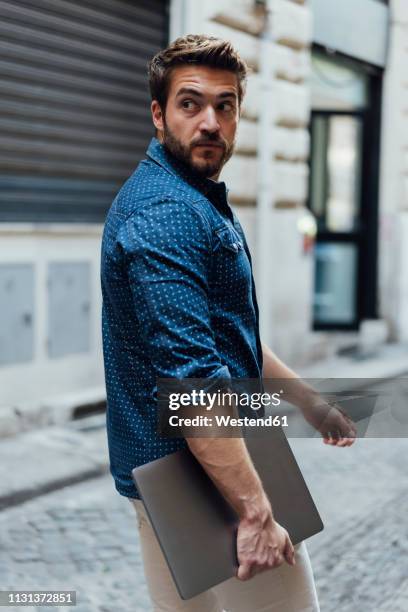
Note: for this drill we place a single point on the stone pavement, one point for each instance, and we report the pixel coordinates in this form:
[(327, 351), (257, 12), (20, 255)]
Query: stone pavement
[(84, 537), (50, 458), (360, 560)]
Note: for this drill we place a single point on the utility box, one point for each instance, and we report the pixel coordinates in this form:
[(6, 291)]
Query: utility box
[(69, 302), (17, 313)]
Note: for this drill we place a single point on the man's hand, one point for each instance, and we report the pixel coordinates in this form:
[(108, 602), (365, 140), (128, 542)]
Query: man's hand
[(336, 427), (261, 545)]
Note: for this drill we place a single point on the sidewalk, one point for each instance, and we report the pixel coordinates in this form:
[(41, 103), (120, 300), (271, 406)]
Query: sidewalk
[(37, 462), (47, 459), (84, 537), (390, 361)]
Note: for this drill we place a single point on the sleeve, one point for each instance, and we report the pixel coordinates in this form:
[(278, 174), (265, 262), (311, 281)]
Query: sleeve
[(168, 250)]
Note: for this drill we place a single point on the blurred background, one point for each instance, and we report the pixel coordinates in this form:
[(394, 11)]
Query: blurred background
[(319, 181)]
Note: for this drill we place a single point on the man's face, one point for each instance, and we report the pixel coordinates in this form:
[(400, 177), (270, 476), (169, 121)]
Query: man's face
[(201, 117)]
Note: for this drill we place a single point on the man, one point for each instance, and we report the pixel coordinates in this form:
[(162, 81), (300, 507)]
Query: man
[(179, 302)]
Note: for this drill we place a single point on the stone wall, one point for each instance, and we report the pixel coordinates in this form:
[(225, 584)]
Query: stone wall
[(285, 266), (394, 178)]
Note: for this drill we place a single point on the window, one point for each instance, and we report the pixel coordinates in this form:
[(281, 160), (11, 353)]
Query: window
[(344, 190)]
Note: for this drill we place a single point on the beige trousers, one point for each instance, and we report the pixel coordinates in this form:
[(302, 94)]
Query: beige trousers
[(283, 589)]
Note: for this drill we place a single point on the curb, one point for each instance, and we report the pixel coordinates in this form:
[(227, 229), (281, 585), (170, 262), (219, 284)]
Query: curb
[(35, 463), (56, 410), (24, 495)]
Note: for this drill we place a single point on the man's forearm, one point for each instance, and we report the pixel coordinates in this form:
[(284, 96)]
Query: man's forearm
[(298, 391), (227, 462)]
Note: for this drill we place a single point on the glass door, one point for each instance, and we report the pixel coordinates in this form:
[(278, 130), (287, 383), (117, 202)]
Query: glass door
[(335, 188), (339, 129)]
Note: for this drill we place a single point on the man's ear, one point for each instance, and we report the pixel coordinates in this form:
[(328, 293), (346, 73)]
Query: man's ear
[(157, 115)]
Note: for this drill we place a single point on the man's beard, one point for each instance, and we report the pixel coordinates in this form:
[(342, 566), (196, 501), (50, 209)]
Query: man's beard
[(184, 153)]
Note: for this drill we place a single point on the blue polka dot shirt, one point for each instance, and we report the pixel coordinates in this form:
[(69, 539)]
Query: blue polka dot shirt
[(178, 301)]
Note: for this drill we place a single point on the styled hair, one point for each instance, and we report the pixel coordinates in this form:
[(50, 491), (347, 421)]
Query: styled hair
[(197, 49)]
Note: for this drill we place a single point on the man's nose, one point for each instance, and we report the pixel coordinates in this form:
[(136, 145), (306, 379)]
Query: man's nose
[(209, 121)]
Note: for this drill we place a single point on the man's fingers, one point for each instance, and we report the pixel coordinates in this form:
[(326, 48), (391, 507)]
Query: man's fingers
[(343, 442), (339, 440), (328, 438), (346, 432), (272, 554), (279, 559), (346, 425), (340, 430), (346, 441), (271, 558), (244, 572), (289, 552)]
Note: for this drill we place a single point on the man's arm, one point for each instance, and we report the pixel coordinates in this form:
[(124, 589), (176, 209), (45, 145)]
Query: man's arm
[(261, 542), (335, 426), (167, 248)]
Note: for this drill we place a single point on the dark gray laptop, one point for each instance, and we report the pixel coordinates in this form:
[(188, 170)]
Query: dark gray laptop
[(196, 527)]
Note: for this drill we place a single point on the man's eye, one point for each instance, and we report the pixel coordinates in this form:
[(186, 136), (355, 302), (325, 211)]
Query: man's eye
[(226, 106), (188, 104)]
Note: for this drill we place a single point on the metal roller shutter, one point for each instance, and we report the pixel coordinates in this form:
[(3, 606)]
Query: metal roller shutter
[(74, 103)]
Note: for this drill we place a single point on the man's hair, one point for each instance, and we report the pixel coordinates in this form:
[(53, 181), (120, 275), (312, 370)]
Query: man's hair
[(197, 49)]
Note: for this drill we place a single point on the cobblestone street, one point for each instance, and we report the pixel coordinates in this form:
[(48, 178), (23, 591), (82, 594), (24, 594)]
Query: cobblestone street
[(84, 537), (81, 538)]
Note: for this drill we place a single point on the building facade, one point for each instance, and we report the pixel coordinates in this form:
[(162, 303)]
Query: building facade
[(319, 178)]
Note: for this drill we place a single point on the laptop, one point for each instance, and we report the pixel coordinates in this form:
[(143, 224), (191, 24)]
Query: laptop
[(196, 527)]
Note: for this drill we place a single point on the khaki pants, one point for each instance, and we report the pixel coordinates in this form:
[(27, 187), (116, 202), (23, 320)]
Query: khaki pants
[(283, 589)]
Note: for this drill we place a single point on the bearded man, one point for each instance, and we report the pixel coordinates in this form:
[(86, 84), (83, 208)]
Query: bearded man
[(179, 302)]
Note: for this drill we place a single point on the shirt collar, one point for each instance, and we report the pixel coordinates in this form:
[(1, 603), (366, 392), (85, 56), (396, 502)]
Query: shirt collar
[(158, 153)]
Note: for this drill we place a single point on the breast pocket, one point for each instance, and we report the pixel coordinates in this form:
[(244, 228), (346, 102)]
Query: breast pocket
[(228, 239)]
